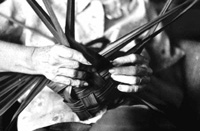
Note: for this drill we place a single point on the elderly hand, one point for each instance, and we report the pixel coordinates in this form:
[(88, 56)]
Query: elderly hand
[(132, 71), (60, 64)]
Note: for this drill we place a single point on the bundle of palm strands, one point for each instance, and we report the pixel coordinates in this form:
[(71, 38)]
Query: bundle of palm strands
[(101, 92)]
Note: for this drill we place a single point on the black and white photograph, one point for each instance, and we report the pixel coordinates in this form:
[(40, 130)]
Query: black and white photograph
[(100, 65)]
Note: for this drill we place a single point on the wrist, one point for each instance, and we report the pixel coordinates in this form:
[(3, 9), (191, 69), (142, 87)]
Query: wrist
[(33, 60), (39, 59), (27, 63)]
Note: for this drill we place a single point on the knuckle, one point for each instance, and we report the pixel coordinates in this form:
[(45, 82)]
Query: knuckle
[(74, 73), (63, 80), (127, 88), (71, 54), (75, 64), (50, 75), (71, 73), (55, 79), (52, 78), (67, 81), (76, 83), (130, 89), (133, 58)]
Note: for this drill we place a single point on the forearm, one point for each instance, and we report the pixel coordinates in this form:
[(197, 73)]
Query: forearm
[(16, 58)]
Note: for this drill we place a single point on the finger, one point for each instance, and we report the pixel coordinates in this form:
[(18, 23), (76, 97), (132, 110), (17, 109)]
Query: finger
[(78, 83), (132, 80), (71, 73), (131, 70), (66, 52), (132, 58), (72, 64), (70, 82), (68, 63), (126, 79), (129, 88), (62, 80)]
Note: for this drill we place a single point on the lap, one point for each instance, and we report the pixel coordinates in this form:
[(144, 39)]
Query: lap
[(123, 118)]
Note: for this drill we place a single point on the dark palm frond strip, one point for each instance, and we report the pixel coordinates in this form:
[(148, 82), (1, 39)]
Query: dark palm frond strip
[(70, 18), (123, 41), (152, 30), (145, 41), (54, 19), (163, 11), (18, 88), (45, 18), (37, 84)]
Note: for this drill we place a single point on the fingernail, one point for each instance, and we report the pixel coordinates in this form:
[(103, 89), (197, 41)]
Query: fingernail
[(111, 71), (119, 88), (85, 84), (84, 61)]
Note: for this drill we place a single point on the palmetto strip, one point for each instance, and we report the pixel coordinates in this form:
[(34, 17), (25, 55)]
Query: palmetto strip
[(165, 8), (70, 18), (39, 84), (152, 30), (45, 18), (123, 41), (6, 79), (54, 19), (4, 76), (139, 46), (5, 97), (8, 99), (10, 84)]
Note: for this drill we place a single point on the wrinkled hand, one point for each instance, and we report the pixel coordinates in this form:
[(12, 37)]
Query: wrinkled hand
[(132, 71), (60, 64)]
